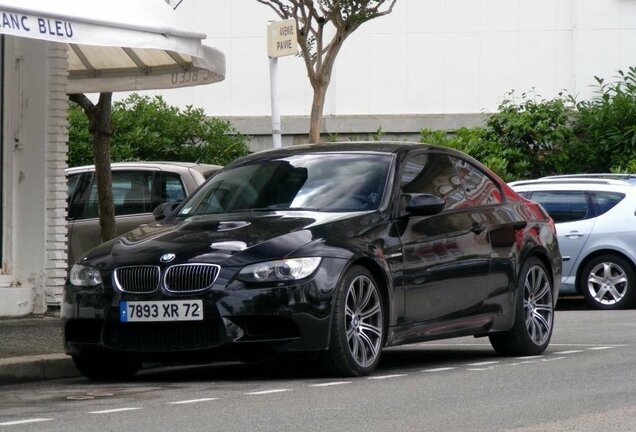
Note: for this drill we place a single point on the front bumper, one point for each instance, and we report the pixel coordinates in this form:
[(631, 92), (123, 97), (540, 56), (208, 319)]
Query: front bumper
[(237, 319)]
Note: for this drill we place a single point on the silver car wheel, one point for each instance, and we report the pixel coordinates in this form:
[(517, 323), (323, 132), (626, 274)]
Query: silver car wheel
[(607, 283), (538, 305), (363, 320)]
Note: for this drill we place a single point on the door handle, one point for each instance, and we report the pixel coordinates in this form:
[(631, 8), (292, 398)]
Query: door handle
[(477, 228), (574, 235)]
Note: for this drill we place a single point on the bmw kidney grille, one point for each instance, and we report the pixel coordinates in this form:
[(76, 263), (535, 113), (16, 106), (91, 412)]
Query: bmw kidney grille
[(183, 278)]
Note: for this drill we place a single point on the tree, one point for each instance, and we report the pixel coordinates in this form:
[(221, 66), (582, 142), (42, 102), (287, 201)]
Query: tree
[(100, 128), (312, 18)]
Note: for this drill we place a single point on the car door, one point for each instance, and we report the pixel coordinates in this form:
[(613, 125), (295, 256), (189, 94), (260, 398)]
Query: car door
[(573, 215), (132, 198), (446, 256)]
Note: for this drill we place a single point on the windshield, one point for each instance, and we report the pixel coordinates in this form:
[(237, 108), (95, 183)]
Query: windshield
[(330, 182)]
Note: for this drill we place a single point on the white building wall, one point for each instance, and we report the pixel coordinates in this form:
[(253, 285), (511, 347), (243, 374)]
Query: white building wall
[(427, 57), (34, 138)]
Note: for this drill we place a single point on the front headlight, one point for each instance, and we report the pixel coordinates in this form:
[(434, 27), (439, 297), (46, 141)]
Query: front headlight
[(279, 271), (82, 275)]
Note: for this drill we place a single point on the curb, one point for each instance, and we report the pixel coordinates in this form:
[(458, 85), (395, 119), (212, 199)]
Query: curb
[(36, 368)]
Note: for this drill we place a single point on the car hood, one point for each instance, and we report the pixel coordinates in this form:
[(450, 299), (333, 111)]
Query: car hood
[(227, 239)]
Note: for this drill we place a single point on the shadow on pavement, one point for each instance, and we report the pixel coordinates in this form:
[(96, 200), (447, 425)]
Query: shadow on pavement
[(572, 303)]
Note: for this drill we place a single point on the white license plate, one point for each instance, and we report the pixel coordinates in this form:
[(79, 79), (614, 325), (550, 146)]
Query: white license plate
[(150, 311)]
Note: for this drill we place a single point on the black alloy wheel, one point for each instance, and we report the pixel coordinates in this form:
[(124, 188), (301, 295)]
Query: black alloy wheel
[(534, 314), (357, 333)]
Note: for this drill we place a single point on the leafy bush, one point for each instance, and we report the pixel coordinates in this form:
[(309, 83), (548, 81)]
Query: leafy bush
[(146, 128), (606, 124), (527, 138), (538, 130)]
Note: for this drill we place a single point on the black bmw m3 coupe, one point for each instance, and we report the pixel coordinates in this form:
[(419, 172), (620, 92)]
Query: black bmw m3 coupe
[(334, 250)]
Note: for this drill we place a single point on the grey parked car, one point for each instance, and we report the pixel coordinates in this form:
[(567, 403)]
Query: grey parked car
[(138, 187), (596, 226)]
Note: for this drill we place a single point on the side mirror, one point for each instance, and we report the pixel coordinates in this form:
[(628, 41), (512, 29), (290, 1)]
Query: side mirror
[(423, 204), (164, 210)]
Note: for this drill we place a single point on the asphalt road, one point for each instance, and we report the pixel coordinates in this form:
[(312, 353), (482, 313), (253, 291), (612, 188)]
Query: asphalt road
[(584, 382)]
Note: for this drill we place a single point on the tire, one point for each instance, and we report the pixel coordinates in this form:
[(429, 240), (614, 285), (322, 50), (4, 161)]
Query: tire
[(608, 282), (100, 365), (534, 314), (357, 328)]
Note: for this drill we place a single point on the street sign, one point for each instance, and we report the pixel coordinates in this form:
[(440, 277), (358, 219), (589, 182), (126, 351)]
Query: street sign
[(281, 38)]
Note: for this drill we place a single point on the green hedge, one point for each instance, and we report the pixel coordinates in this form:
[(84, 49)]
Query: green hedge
[(146, 128), (530, 137)]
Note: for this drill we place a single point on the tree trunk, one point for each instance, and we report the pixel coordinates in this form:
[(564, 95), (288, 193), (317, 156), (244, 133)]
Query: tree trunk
[(315, 123), (102, 136)]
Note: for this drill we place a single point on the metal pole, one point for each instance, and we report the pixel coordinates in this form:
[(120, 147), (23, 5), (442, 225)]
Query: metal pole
[(273, 85)]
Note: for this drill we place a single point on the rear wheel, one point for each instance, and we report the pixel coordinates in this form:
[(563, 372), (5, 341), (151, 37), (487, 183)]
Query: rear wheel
[(609, 282), (534, 314), (100, 365), (357, 330)]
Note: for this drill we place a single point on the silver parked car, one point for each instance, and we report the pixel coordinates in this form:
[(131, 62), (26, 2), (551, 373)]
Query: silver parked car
[(595, 218), (138, 187)]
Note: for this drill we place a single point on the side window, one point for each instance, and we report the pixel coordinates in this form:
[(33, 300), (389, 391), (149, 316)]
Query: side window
[(131, 193), (74, 194), (171, 188), (434, 174), (480, 189), (71, 183), (564, 206), (605, 201)]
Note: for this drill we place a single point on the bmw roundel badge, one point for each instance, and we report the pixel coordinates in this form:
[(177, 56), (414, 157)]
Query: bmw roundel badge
[(166, 258)]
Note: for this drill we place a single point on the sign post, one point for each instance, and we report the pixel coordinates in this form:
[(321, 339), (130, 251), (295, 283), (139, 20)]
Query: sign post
[(281, 41)]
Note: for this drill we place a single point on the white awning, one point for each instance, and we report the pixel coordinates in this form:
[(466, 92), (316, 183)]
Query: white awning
[(118, 45)]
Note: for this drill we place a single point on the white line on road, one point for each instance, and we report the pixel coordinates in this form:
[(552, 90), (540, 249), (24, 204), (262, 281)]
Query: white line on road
[(481, 369), (483, 363), (528, 357), (264, 392), (439, 369), (27, 421), (568, 352), (585, 345), (193, 401), (601, 348), (334, 383), (552, 359), (116, 410), (381, 377)]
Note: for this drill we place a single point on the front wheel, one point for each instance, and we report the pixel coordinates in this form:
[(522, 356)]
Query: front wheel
[(609, 282), (357, 329), (534, 314), (100, 365)]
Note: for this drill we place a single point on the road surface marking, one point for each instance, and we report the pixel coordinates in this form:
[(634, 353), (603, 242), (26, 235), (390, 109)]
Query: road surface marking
[(27, 421), (552, 359), (381, 377), (568, 352), (264, 392), (483, 363), (193, 401), (334, 383), (116, 410), (601, 348), (439, 369)]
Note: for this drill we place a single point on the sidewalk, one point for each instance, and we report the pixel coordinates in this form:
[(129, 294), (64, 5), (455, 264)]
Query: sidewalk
[(32, 348)]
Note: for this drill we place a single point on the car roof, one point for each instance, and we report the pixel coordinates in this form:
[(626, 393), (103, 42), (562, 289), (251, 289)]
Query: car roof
[(387, 147), (202, 168), (631, 178), (571, 184)]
